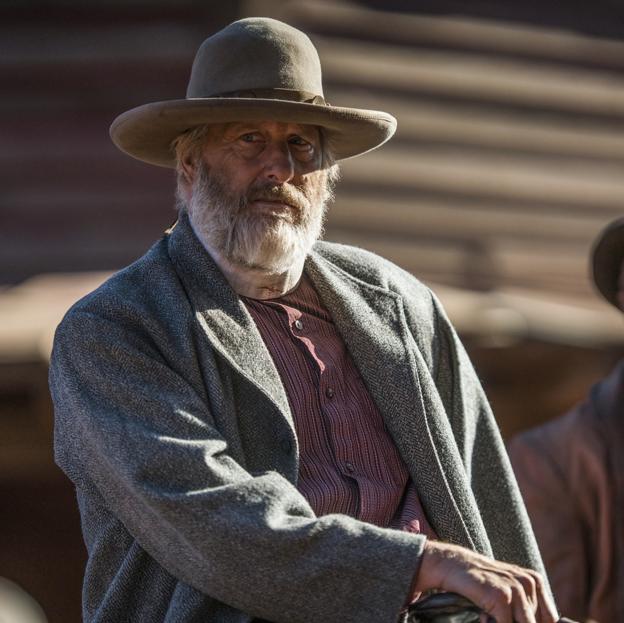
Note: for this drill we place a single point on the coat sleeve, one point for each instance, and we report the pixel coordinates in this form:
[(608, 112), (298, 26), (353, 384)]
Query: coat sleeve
[(134, 431)]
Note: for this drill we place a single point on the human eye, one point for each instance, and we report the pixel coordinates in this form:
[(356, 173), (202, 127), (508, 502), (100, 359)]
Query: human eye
[(301, 146), (250, 137), (250, 143), (298, 140)]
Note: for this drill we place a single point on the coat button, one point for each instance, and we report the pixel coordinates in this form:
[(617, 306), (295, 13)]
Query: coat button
[(350, 467), (329, 392)]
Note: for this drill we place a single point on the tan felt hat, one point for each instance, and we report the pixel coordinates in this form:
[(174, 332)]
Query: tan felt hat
[(254, 69)]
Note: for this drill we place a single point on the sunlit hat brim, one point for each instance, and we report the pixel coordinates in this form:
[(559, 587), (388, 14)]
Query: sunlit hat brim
[(147, 132)]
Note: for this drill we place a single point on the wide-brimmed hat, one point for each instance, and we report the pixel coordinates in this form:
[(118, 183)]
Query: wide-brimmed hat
[(254, 69), (606, 260)]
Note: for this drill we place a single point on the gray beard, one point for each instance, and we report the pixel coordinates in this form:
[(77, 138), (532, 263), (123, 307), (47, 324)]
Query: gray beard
[(227, 223)]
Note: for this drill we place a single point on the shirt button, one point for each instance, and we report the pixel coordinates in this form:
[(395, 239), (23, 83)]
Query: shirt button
[(329, 392), (350, 467), (286, 445), (298, 325)]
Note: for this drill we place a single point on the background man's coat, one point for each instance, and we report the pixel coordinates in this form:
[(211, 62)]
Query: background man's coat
[(571, 473)]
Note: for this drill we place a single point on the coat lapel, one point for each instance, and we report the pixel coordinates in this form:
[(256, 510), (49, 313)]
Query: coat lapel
[(222, 316), (372, 323)]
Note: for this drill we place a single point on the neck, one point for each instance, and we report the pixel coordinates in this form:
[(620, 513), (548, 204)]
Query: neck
[(254, 283), (257, 283)]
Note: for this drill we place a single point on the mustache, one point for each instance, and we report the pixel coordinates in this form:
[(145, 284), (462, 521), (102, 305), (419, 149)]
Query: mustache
[(284, 193)]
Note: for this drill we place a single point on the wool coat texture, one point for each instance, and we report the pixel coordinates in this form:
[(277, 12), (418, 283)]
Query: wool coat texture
[(173, 424)]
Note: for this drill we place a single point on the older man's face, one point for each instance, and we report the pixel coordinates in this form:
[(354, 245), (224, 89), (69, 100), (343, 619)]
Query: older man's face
[(259, 193)]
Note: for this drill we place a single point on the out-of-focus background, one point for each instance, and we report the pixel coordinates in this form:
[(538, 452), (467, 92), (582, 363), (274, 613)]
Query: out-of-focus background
[(507, 162)]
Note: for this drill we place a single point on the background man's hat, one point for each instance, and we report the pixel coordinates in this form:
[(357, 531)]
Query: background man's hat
[(254, 69), (607, 256)]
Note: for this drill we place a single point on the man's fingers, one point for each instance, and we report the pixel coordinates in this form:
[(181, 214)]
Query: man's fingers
[(508, 602), (524, 611), (535, 590), (529, 585), (496, 601), (508, 593), (546, 611)]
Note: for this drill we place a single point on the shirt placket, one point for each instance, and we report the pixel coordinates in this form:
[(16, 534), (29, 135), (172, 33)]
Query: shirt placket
[(330, 388)]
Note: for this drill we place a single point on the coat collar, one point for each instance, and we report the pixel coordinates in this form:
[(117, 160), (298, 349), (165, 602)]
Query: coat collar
[(371, 320), (223, 317)]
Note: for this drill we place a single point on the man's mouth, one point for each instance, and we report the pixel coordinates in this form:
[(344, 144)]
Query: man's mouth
[(276, 207)]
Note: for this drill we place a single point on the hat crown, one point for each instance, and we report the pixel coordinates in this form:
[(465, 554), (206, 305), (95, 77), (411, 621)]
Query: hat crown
[(255, 68), (255, 53)]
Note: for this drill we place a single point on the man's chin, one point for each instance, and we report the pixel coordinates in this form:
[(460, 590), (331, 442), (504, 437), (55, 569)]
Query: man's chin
[(269, 259), (271, 266)]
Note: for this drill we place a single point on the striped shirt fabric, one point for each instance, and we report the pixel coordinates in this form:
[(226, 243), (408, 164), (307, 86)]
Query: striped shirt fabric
[(348, 461)]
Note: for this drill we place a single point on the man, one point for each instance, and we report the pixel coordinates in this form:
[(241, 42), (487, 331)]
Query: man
[(571, 473), (263, 427)]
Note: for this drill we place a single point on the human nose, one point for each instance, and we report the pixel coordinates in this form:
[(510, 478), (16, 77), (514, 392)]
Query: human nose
[(279, 166)]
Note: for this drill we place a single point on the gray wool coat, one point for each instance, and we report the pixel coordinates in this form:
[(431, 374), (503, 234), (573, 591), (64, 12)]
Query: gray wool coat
[(173, 424)]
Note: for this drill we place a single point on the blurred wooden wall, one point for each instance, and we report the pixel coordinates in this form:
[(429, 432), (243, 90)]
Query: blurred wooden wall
[(70, 202), (507, 162)]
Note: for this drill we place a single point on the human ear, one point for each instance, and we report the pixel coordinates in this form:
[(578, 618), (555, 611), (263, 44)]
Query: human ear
[(188, 168)]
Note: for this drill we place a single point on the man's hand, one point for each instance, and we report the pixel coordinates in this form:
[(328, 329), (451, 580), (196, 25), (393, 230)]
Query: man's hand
[(509, 594)]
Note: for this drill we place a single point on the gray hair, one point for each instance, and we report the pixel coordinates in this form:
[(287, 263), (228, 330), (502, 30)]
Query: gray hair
[(188, 143)]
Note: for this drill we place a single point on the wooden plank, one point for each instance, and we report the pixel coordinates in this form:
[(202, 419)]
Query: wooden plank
[(539, 266), (484, 79), (454, 220), (450, 31), (513, 130), (578, 187)]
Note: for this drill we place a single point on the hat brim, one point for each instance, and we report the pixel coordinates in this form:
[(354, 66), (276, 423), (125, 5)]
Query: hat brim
[(147, 132), (607, 256)]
